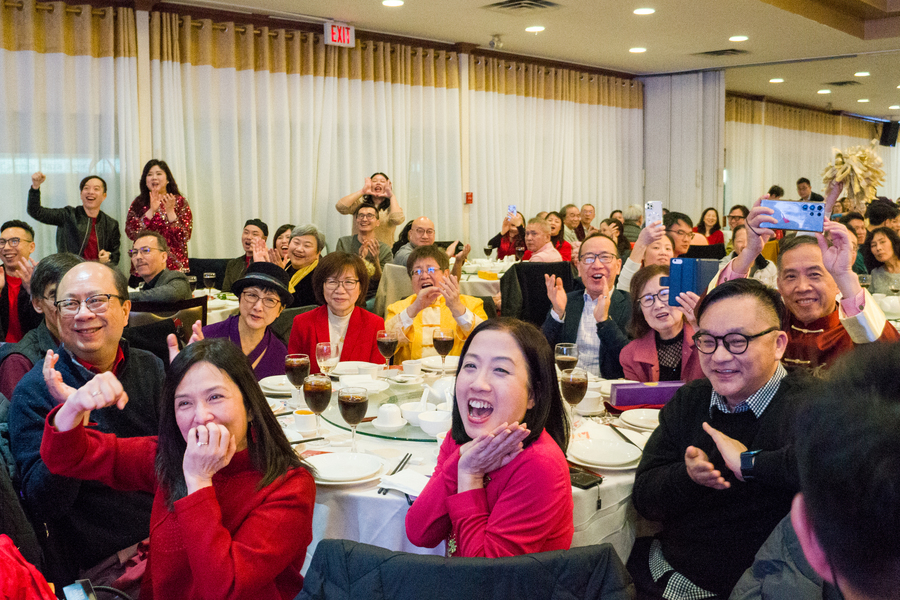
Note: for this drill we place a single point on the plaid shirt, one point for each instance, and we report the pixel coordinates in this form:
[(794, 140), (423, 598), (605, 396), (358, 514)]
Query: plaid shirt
[(757, 402)]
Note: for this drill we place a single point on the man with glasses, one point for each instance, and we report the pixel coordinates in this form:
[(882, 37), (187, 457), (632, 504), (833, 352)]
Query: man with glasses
[(148, 259), (83, 230), (420, 234), (680, 229), (595, 318), (736, 216), (17, 315), (538, 242), (374, 252), (253, 241), (719, 472), (435, 304), (88, 523)]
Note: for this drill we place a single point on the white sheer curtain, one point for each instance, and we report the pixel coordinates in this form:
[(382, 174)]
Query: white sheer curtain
[(540, 138), (684, 141), (275, 125), (68, 108)]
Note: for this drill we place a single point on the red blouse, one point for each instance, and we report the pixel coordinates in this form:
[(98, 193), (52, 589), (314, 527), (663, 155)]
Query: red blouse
[(717, 237), (176, 233)]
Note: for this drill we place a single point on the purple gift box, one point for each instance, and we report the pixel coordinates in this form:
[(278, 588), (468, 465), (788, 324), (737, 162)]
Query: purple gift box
[(629, 394)]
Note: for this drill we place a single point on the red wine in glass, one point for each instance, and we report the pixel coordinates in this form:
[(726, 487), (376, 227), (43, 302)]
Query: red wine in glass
[(296, 367), (209, 280), (192, 281), (353, 404), (488, 250), (317, 392), (566, 362), (520, 252), (443, 345), (387, 342)]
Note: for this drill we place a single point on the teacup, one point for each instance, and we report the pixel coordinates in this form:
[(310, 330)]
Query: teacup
[(305, 421), (412, 367)]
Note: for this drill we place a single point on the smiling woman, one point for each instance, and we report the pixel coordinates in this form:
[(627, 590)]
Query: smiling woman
[(501, 486)]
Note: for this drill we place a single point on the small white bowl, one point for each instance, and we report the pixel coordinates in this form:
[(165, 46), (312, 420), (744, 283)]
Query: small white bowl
[(444, 406), (435, 422), (412, 410), (388, 428)]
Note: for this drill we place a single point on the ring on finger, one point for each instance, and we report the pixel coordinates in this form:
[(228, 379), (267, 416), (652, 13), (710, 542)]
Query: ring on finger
[(202, 443), (95, 394)]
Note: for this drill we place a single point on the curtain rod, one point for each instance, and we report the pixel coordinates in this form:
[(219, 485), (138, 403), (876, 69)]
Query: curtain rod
[(73, 10)]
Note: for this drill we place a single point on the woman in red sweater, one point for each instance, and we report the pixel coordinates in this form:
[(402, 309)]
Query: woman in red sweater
[(233, 506), (501, 486), (337, 283), (710, 228)]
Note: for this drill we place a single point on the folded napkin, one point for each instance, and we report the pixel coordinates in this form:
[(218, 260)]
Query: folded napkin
[(351, 380), (407, 481)]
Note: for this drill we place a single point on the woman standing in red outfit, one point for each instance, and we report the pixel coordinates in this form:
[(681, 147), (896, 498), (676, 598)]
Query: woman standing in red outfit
[(710, 228), (233, 505), (501, 486), (337, 283), (163, 209)]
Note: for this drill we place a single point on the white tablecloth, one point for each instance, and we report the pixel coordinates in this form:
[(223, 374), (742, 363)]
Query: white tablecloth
[(218, 310)]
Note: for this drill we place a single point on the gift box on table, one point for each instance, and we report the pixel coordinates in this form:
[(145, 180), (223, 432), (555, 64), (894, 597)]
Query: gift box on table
[(630, 394)]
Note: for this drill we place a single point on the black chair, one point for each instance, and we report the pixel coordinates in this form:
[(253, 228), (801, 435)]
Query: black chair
[(199, 266), (282, 325), (344, 569), (523, 292), (716, 251), (490, 309), (185, 312)]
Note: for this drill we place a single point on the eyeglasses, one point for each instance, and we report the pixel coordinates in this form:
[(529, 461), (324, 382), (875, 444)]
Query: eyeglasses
[(347, 284), (13, 242), (605, 258), (366, 217), (267, 301), (145, 250), (97, 304), (420, 231), (429, 270), (735, 343), (736, 217), (684, 234), (647, 300)]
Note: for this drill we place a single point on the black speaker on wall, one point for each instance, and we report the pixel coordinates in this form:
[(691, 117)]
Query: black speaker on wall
[(889, 133)]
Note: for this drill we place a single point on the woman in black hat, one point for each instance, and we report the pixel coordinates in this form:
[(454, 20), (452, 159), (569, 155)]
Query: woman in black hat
[(263, 293)]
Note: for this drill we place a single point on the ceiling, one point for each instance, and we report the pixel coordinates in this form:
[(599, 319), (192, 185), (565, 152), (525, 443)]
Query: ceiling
[(808, 43)]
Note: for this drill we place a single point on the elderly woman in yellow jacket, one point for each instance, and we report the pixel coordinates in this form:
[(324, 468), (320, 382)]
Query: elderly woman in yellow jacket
[(435, 304)]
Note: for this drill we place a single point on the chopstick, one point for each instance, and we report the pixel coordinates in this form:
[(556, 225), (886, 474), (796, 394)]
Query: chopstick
[(397, 469), (314, 439), (625, 437)]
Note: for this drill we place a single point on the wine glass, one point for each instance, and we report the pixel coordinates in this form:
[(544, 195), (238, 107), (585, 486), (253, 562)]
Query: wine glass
[(296, 367), (209, 279), (895, 284), (317, 393), (566, 356), (328, 354), (488, 250), (864, 281), (387, 341), (520, 252), (353, 402), (443, 340), (192, 281), (573, 383)]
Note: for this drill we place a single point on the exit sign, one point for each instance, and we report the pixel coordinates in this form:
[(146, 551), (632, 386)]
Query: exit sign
[(339, 34)]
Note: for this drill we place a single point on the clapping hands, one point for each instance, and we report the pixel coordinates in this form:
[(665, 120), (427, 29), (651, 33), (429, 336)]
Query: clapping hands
[(101, 391)]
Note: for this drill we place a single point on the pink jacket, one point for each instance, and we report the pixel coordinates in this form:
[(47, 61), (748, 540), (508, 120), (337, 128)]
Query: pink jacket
[(640, 361)]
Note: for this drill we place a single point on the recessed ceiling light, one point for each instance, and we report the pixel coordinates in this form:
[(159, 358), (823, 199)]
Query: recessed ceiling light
[(392, 2), (894, 107), (738, 38), (637, 50), (863, 100), (644, 11), (824, 91), (778, 80), (534, 29), (861, 74)]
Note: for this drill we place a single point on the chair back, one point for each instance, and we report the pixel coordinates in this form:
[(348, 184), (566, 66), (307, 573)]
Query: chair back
[(523, 292), (395, 285), (281, 326), (490, 309), (199, 266), (185, 311)]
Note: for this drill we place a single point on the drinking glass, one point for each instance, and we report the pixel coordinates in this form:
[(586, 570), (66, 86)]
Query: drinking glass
[(895, 284), (864, 281), (327, 355), (566, 356), (520, 252), (488, 250), (296, 367), (209, 279), (574, 383), (443, 343), (387, 341), (353, 402), (192, 281), (317, 393)]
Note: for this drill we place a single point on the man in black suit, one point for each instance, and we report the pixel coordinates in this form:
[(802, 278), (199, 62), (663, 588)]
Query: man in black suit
[(804, 190), (148, 257)]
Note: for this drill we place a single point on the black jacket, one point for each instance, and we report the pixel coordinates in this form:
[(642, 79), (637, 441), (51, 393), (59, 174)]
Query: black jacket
[(72, 227), (28, 317)]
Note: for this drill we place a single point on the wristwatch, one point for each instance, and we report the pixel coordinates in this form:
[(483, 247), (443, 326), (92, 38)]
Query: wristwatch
[(748, 461)]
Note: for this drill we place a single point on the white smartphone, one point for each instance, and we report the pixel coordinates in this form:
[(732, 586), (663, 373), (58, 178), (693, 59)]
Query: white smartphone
[(652, 212)]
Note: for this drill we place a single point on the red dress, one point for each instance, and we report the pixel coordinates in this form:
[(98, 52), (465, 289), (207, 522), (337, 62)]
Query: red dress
[(176, 233), (229, 541)]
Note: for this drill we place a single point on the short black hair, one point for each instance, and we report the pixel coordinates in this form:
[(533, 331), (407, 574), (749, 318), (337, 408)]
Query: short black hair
[(878, 212), (787, 244), (365, 205), (850, 216), (50, 271), (260, 224), (744, 210), (88, 178), (20, 225), (280, 230), (777, 190), (160, 240), (767, 297), (431, 251), (803, 180), (673, 217), (848, 457)]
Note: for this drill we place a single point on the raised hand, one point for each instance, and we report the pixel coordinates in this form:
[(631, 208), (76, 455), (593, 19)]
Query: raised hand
[(601, 311), (839, 257), (37, 179), (260, 251), (367, 187), (2, 277), (209, 449), (449, 287), (101, 391), (104, 256), (388, 190), (26, 270), (832, 194), (172, 340), (729, 448), (59, 390), (701, 471), (688, 302), (557, 294)]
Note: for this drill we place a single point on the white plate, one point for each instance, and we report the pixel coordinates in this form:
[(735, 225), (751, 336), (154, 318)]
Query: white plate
[(388, 428), (589, 413), (215, 304), (373, 387), (349, 367), (376, 477), (643, 418), (433, 363), (604, 453), (277, 407), (628, 467), (344, 467), (277, 384)]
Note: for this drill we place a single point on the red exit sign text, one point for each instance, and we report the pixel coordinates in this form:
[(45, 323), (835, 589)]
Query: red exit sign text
[(339, 34)]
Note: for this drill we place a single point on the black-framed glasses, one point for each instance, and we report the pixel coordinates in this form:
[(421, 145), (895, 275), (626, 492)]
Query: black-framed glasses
[(97, 304), (735, 217), (13, 242), (604, 257), (366, 216), (347, 284), (253, 298), (735, 343), (648, 299), (145, 250), (685, 234)]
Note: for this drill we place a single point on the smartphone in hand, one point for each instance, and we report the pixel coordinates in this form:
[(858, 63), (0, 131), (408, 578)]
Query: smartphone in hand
[(689, 275), (652, 212), (796, 216)]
